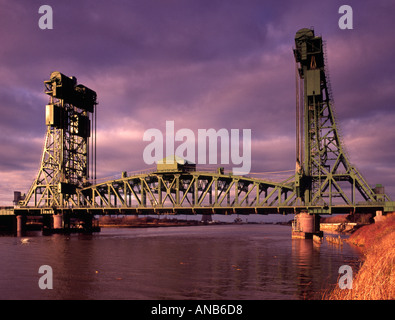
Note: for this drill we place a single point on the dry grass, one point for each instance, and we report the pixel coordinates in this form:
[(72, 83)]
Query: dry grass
[(376, 278), (373, 234), (341, 218)]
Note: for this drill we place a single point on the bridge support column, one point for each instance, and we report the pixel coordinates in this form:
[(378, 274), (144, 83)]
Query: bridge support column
[(306, 225), (88, 219), (58, 221), (206, 218), (20, 224), (61, 223)]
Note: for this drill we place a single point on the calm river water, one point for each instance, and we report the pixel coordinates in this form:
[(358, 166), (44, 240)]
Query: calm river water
[(248, 261)]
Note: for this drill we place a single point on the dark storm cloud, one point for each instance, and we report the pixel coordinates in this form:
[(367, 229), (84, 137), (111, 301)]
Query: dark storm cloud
[(202, 64)]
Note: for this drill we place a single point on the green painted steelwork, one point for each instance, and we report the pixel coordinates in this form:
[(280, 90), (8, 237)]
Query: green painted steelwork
[(186, 189), (324, 173), (324, 182), (66, 154)]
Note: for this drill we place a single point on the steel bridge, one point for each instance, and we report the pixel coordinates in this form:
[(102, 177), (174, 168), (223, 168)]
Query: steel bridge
[(324, 181), (196, 192)]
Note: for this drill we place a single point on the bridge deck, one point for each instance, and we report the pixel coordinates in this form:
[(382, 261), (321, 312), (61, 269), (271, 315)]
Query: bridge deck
[(193, 192), (372, 208)]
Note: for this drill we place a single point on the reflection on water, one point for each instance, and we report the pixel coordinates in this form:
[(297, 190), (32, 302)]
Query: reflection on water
[(200, 262)]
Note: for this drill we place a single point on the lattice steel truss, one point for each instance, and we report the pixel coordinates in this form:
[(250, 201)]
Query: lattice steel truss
[(324, 174), (189, 191), (66, 153)]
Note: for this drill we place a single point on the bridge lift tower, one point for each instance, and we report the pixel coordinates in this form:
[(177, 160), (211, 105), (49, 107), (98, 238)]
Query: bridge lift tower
[(324, 175), (69, 155)]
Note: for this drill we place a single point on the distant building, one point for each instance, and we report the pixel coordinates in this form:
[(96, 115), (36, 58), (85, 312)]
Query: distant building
[(175, 163)]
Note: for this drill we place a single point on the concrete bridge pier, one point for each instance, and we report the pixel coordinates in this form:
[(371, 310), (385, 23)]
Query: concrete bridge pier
[(206, 218), (47, 222), (57, 221), (53, 223), (306, 225), (61, 223), (89, 224), (20, 224)]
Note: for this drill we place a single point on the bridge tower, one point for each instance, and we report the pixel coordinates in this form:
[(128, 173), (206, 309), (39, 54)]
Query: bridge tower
[(324, 175), (68, 160)]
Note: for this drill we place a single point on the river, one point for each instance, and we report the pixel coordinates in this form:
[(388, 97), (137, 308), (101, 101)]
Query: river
[(246, 261)]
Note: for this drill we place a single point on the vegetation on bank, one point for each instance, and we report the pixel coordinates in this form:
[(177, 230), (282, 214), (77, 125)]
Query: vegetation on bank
[(342, 218), (133, 221), (376, 278)]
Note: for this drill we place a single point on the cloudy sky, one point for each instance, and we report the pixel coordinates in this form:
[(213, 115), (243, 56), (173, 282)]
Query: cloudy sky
[(202, 64)]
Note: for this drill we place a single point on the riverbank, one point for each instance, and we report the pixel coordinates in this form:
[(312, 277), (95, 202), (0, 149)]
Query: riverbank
[(168, 221), (149, 222), (339, 227), (345, 223), (146, 222), (376, 278)]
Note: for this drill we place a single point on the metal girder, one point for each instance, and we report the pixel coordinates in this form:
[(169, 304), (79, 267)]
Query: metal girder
[(187, 190), (66, 153), (325, 175)]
